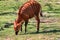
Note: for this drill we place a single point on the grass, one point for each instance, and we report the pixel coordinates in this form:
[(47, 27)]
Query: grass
[(31, 35), (12, 5), (48, 31)]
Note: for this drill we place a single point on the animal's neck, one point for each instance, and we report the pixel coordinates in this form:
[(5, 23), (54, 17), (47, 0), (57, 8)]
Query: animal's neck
[(18, 20)]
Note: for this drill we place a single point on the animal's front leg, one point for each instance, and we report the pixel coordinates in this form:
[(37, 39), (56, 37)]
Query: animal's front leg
[(21, 26), (26, 22)]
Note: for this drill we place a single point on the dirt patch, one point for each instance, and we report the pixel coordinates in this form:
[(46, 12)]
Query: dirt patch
[(49, 20)]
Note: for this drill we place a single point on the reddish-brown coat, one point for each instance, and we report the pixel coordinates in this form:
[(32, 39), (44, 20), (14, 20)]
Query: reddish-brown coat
[(26, 11)]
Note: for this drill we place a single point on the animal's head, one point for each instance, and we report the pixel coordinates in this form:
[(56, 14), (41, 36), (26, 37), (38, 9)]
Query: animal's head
[(16, 27)]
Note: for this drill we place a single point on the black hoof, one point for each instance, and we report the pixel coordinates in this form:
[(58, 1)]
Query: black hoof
[(16, 33)]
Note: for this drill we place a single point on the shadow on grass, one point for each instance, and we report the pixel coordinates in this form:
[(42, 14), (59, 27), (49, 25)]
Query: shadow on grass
[(5, 13), (50, 31)]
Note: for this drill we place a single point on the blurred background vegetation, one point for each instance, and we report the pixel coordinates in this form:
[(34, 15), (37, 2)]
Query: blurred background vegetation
[(13, 5), (49, 28)]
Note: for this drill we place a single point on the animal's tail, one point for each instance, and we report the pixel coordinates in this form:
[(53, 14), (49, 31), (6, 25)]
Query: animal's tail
[(41, 13)]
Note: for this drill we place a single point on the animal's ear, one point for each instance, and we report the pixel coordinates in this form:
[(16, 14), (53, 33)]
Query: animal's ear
[(15, 23), (20, 23), (15, 20)]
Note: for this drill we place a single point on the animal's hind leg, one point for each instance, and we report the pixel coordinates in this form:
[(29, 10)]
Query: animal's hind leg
[(38, 22), (26, 22)]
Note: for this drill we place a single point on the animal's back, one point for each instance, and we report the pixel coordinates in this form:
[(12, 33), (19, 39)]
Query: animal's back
[(29, 9)]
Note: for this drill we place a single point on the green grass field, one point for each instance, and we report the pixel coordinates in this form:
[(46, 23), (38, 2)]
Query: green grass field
[(50, 30), (49, 26)]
